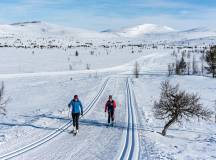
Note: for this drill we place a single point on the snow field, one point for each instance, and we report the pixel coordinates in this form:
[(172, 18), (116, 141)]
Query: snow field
[(191, 140)]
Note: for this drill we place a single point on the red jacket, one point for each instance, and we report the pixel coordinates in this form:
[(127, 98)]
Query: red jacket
[(110, 105)]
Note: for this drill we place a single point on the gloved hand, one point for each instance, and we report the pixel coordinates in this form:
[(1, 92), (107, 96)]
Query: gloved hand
[(82, 113)]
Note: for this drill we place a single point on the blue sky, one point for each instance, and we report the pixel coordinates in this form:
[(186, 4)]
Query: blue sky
[(111, 14)]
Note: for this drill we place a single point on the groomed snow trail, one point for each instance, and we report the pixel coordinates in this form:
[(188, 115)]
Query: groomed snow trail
[(54, 134), (95, 140), (131, 143)]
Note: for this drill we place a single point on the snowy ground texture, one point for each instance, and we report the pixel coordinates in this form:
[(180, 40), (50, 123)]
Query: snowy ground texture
[(41, 80)]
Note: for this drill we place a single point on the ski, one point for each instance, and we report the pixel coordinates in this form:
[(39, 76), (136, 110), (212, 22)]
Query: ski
[(75, 132)]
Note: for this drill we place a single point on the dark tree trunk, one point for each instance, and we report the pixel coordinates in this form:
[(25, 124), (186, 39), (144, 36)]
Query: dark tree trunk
[(213, 70), (168, 125), (215, 118)]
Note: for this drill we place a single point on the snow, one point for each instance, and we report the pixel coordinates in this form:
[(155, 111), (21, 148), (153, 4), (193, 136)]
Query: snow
[(45, 30), (144, 29), (56, 60), (41, 81), (191, 140)]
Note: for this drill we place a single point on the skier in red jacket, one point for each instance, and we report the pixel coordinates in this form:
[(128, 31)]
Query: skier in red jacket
[(110, 107)]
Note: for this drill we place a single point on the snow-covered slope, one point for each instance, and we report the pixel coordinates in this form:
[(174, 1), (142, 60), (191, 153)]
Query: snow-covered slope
[(140, 30), (35, 30), (43, 29)]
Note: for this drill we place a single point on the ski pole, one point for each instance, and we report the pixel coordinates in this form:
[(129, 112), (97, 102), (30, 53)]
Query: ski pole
[(68, 113)]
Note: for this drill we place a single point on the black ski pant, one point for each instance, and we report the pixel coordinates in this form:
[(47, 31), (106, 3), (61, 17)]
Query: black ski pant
[(110, 116), (75, 117)]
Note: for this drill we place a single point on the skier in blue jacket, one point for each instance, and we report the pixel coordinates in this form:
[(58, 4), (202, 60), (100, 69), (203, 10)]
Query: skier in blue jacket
[(77, 109)]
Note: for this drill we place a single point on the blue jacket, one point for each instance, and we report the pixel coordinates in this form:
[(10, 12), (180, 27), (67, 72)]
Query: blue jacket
[(76, 106)]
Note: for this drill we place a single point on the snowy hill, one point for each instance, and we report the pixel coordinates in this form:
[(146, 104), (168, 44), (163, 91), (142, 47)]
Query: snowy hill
[(43, 29), (143, 29)]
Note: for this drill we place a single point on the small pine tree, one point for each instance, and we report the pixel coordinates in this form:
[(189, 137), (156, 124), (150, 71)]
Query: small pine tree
[(182, 66), (211, 61), (76, 53)]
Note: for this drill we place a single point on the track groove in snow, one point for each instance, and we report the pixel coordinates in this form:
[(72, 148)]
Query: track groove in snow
[(131, 145)]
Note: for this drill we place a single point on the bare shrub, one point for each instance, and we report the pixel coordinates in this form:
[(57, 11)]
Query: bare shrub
[(175, 105), (136, 70), (3, 102)]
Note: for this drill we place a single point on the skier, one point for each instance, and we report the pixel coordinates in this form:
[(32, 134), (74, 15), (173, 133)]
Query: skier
[(77, 109), (110, 107)]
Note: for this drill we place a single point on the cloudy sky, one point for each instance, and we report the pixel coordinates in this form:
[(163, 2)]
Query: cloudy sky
[(111, 14)]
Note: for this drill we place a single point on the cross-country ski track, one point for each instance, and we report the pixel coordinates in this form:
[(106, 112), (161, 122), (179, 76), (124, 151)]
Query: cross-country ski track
[(131, 144), (95, 140)]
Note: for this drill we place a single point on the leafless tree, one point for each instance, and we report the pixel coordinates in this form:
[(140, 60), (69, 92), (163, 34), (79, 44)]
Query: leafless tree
[(3, 102), (177, 68), (194, 64), (188, 55), (136, 70), (88, 66), (202, 58), (215, 110), (171, 69), (70, 67), (175, 105), (92, 52), (188, 68)]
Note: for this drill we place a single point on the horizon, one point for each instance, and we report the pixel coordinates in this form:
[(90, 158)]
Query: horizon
[(106, 29), (101, 15)]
